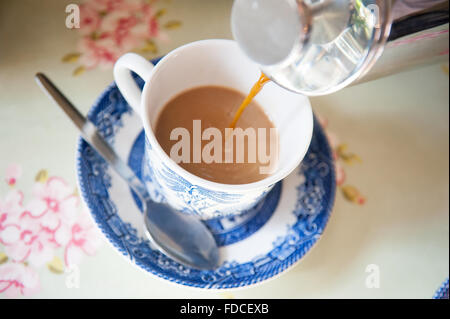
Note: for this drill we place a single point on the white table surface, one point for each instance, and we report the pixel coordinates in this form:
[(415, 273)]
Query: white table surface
[(398, 125)]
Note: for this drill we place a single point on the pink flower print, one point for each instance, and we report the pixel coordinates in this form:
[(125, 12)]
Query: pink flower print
[(10, 210), (9, 231), (151, 24), (11, 204), (53, 201), (132, 6), (13, 173), (119, 25), (101, 52), (18, 279), (110, 28), (33, 244), (153, 27), (148, 29), (90, 19), (84, 239), (105, 6), (31, 234)]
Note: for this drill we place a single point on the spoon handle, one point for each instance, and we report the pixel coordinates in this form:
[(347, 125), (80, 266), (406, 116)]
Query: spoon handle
[(91, 136)]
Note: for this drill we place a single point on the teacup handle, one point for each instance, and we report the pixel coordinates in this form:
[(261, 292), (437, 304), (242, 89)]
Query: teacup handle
[(125, 82)]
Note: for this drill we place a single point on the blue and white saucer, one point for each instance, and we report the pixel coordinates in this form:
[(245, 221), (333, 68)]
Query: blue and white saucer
[(442, 292), (254, 247)]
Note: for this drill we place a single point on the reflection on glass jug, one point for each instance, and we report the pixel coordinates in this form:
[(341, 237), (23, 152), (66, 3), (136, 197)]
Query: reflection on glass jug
[(317, 47)]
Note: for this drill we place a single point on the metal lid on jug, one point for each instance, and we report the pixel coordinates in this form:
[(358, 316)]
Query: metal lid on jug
[(312, 47)]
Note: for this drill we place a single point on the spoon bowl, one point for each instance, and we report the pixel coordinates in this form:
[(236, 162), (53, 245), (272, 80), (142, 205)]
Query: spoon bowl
[(181, 236)]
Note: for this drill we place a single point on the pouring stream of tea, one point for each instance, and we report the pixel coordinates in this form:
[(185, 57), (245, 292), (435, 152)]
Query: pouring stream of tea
[(263, 79)]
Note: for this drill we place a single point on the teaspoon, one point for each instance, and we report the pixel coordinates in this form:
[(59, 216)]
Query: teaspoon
[(182, 237)]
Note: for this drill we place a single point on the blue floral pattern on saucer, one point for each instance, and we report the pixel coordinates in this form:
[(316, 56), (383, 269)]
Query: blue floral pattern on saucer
[(442, 292), (256, 246)]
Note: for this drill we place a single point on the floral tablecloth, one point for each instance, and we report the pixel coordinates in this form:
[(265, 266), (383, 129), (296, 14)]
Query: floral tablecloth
[(390, 140)]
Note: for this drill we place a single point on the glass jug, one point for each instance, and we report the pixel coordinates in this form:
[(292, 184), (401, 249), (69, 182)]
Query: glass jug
[(313, 47)]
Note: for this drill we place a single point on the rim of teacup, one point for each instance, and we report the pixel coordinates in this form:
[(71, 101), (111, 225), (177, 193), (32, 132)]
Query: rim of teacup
[(278, 175)]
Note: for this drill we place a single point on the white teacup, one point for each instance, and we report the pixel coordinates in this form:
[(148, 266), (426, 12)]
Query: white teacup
[(203, 63)]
